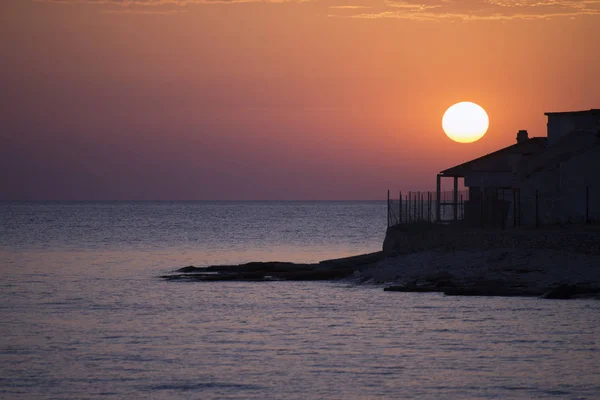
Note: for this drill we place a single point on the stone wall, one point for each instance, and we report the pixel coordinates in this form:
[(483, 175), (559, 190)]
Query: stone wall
[(412, 238)]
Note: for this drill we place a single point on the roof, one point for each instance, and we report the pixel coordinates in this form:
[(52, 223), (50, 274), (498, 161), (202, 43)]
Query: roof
[(534, 143), (590, 111)]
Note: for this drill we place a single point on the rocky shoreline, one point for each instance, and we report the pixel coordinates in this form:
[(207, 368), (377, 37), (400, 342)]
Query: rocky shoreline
[(276, 270), (552, 274)]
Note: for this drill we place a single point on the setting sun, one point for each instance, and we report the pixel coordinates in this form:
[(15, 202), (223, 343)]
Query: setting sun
[(465, 122)]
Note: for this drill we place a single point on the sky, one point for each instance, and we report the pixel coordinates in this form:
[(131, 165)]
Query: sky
[(274, 100)]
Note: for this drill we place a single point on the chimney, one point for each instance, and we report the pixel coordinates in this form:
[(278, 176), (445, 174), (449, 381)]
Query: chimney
[(522, 136)]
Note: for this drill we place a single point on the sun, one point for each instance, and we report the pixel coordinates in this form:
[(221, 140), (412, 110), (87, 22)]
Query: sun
[(465, 122)]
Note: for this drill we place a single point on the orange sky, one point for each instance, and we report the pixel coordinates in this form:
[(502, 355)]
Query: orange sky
[(176, 99)]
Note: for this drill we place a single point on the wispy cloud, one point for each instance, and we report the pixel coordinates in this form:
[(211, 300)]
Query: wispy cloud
[(145, 3), (349, 7), (417, 10), (153, 7), (473, 10), (415, 6), (144, 12)]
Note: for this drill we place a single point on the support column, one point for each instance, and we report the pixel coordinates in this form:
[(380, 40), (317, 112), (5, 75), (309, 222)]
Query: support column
[(455, 198), (438, 198)]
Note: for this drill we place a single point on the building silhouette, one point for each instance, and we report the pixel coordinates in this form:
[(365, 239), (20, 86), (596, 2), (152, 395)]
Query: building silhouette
[(536, 181)]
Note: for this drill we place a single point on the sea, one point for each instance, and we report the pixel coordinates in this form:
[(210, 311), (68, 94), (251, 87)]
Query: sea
[(84, 313)]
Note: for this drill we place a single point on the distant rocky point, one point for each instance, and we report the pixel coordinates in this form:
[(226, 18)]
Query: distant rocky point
[(559, 263), (276, 270)]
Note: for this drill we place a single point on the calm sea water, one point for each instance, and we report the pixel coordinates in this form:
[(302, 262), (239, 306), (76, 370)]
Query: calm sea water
[(83, 314)]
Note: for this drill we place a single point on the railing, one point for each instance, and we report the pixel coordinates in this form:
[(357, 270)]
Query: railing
[(497, 207), (418, 207)]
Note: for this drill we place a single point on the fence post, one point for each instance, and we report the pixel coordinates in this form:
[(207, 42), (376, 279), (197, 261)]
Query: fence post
[(409, 208), (400, 207), (429, 206), (438, 210), (406, 208), (415, 208), (418, 205)]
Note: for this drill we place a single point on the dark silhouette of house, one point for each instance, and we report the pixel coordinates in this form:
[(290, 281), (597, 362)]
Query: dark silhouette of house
[(538, 180)]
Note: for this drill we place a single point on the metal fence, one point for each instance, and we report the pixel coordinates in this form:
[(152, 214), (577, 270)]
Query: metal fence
[(417, 207), (498, 207)]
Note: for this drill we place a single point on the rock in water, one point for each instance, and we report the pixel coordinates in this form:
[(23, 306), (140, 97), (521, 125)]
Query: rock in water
[(561, 292)]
